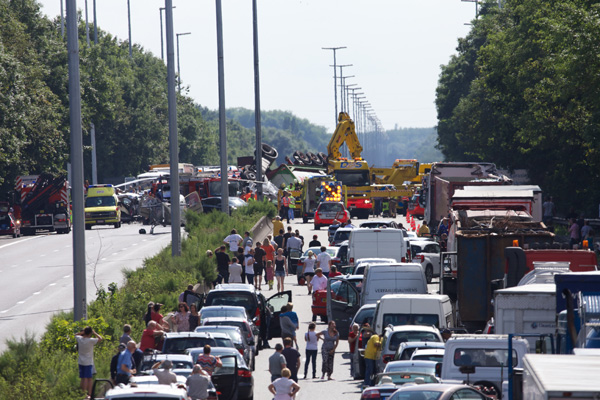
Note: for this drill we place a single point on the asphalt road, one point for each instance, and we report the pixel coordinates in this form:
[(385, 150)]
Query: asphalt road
[(343, 386), (36, 272)]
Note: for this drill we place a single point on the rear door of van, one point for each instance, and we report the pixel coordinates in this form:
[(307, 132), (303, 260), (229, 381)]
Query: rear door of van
[(410, 279)]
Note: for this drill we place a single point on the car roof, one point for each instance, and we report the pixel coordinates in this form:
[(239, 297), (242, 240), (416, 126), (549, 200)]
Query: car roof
[(410, 363), (344, 229), (376, 260), (431, 350), (172, 357), (175, 335), (241, 287), (433, 387), (219, 307), (228, 319), (405, 328), (433, 345), (204, 328), (163, 390)]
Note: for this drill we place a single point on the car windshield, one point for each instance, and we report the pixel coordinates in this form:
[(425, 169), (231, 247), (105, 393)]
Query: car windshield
[(428, 357), (148, 363), (331, 207), (402, 378), (402, 367), (422, 394), (220, 312), (316, 250), (411, 336), (239, 324), (483, 357), (100, 201), (237, 202), (374, 225), (179, 345), (230, 298), (234, 187), (233, 333), (4, 219), (411, 319)]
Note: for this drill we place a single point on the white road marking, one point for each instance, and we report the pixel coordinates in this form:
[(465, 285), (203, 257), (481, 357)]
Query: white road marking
[(19, 241), (21, 302), (134, 244), (103, 259), (43, 255), (114, 254), (66, 276), (36, 293), (55, 251), (52, 284)]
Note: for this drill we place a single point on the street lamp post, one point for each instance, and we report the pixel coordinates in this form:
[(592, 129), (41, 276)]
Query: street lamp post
[(162, 45), (334, 78), (178, 63), (222, 114), (257, 122), (129, 26)]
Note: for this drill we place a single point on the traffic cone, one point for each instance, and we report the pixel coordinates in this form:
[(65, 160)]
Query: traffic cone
[(418, 227)]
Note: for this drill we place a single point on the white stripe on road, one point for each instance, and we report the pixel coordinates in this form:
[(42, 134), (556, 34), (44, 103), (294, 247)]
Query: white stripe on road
[(18, 241)]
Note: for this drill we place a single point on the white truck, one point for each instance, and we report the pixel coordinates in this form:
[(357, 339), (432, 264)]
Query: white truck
[(526, 309), (554, 377)]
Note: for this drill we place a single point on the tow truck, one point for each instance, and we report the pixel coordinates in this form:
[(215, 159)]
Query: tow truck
[(354, 172), (42, 203)]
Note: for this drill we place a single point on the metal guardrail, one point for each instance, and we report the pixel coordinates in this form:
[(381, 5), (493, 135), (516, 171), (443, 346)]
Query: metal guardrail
[(261, 229)]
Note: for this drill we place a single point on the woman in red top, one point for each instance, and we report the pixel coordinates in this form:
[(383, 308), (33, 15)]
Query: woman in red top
[(352, 339), (269, 254)]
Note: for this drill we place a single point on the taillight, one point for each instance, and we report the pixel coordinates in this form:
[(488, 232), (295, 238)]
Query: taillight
[(244, 373), (257, 316), (387, 359), (420, 257), (351, 260), (370, 394), (336, 260), (360, 342), (241, 351), (403, 259)]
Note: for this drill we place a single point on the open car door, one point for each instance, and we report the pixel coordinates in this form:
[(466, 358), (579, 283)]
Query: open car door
[(274, 303), (226, 378), (100, 387), (342, 304)]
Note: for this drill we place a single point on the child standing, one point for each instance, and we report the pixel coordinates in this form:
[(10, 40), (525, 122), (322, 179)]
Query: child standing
[(312, 349), (269, 273)]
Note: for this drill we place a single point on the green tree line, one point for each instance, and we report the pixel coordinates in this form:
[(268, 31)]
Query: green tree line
[(522, 92)]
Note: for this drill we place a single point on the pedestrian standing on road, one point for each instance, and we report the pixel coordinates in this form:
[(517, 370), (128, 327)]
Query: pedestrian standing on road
[(235, 271), (299, 236), (286, 237), (182, 318), (234, 241), (249, 266), (246, 241), (85, 348), (281, 269), (289, 312), (269, 274), (277, 225), (315, 242), (207, 361), (308, 270), (279, 239), (324, 261), (223, 262), (259, 259), (423, 230), (319, 281), (125, 364), (586, 231), (277, 362), (194, 317), (331, 339), (312, 348), (189, 291), (291, 209), (165, 376), (269, 250), (352, 339), (574, 232), (549, 211), (371, 348), (292, 358), (197, 384), (284, 388), (285, 206), (288, 328)]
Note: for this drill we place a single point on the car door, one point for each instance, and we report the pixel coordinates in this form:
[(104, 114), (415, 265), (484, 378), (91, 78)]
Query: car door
[(274, 303), (433, 252), (467, 394), (226, 378), (342, 304)]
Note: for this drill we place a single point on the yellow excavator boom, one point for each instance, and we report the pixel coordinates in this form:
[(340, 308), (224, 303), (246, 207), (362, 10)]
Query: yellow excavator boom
[(344, 133)]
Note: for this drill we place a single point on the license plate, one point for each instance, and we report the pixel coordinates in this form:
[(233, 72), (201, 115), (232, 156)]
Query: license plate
[(100, 221)]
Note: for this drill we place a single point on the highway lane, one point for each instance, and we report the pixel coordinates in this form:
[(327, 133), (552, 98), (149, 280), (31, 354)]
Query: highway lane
[(36, 272)]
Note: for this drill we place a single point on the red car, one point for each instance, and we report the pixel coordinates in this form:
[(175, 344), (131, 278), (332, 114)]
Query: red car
[(329, 211), (9, 225), (319, 305)]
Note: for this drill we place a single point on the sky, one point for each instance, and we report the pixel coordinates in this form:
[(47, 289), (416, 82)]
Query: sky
[(396, 48)]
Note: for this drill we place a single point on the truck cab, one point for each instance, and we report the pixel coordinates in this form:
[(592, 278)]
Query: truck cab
[(102, 207)]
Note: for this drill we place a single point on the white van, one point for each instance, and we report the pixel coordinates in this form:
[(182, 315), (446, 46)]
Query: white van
[(413, 309), (376, 243), (398, 278), (487, 353)]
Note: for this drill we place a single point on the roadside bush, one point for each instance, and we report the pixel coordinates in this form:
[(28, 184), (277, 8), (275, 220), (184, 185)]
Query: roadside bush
[(48, 369)]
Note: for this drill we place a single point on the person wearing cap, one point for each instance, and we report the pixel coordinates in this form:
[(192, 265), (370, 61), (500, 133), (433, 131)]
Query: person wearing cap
[(197, 384), (165, 376)]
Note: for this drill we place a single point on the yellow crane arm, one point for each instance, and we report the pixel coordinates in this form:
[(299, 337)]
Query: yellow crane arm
[(344, 133)]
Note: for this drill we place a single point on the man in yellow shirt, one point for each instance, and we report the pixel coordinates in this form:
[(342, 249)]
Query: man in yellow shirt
[(277, 225), (371, 349), (423, 230)]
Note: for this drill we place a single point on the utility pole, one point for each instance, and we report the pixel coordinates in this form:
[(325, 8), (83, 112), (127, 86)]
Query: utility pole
[(334, 77), (257, 121), (162, 45), (476, 7), (129, 26), (79, 281), (222, 117), (173, 141), (62, 19), (347, 91), (343, 91), (87, 26), (341, 84), (95, 25), (178, 63)]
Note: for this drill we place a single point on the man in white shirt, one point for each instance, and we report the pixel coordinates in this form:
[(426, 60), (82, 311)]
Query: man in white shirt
[(234, 240), (85, 347), (324, 261), (319, 281), (165, 376)]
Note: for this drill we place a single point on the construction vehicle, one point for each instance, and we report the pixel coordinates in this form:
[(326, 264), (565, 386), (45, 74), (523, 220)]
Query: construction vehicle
[(401, 172), (42, 203), (354, 173)]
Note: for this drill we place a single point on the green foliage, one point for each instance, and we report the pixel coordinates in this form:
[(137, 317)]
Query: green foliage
[(265, 208), (523, 93), (60, 333)]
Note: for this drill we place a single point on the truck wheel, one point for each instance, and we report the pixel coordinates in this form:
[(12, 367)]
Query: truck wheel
[(117, 225), (317, 227), (305, 220), (324, 319), (429, 273), (88, 227)]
